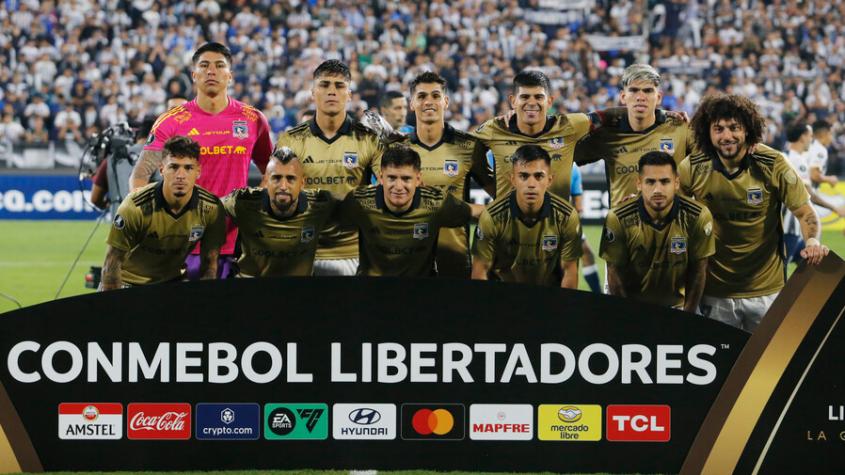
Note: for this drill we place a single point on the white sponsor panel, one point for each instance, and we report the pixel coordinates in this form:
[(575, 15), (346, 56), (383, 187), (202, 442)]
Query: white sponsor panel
[(90, 421), (501, 422), (364, 421)]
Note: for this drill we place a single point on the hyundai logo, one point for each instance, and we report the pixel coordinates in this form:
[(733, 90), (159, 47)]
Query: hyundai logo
[(364, 416)]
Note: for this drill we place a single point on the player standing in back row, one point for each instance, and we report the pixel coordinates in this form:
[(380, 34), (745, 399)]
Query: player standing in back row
[(230, 134), (338, 155)]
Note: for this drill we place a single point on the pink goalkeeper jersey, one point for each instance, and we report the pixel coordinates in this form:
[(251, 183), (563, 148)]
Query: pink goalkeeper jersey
[(228, 141)]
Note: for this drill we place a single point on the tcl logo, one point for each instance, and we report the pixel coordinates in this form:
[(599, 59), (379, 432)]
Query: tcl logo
[(639, 423), (158, 421)]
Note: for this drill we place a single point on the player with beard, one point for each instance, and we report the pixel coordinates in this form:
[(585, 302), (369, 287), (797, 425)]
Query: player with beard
[(744, 192), (656, 246), (279, 224)]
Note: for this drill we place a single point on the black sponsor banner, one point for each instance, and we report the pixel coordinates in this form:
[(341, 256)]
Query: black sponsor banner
[(357, 373)]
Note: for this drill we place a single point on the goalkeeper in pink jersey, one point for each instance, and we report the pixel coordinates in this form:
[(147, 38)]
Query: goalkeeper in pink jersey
[(230, 134)]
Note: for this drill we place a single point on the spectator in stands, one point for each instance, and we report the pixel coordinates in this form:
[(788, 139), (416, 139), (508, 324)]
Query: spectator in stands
[(68, 123), (37, 134), (11, 131)]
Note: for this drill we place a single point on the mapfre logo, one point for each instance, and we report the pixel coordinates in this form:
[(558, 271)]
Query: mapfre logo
[(501, 422), (158, 421), (644, 423)]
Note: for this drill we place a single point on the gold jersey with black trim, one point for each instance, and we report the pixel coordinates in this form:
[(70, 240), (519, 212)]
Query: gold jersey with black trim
[(276, 246), (156, 240), (448, 165), (531, 254), (621, 148), (339, 165), (746, 204), (401, 244), (653, 259), (559, 137)]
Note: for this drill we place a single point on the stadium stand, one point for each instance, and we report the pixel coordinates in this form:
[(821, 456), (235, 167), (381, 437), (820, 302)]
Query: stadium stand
[(84, 65)]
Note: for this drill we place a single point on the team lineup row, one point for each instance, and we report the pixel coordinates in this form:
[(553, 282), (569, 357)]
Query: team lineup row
[(722, 239)]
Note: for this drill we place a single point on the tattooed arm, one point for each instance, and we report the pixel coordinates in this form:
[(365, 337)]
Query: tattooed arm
[(110, 277), (813, 251), (696, 277), (210, 264), (147, 164)]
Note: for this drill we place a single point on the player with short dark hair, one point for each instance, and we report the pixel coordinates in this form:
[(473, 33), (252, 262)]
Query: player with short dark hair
[(643, 128), (338, 154), (744, 192), (230, 134), (818, 156), (529, 235), (449, 159), (157, 226), (656, 247), (279, 224), (399, 220), (394, 108)]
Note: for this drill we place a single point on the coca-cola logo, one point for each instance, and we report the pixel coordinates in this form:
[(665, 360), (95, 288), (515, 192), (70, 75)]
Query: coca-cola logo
[(172, 421), (159, 421)]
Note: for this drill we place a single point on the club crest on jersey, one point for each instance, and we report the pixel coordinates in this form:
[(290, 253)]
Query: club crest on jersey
[(667, 145), (118, 221), (420, 231), (307, 234), (240, 129), (196, 233), (754, 196), (350, 159), (556, 143), (678, 245), (450, 168), (549, 243)]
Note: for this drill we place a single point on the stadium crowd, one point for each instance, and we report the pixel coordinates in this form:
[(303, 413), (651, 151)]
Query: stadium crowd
[(68, 69)]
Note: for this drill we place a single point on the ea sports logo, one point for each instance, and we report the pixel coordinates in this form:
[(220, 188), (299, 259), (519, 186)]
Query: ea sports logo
[(438, 421)]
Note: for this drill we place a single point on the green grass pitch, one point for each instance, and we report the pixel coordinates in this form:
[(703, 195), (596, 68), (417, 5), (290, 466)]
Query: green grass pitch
[(35, 257)]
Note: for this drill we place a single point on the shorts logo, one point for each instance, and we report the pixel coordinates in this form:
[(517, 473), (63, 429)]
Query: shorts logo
[(420, 231), (678, 245), (754, 196), (119, 223), (158, 421), (196, 233), (307, 234), (501, 422), (364, 421), (569, 423), (296, 421), (556, 143), (450, 168), (90, 421), (667, 145), (235, 421), (641, 423), (240, 129), (350, 160), (433, 421), (549, 243)]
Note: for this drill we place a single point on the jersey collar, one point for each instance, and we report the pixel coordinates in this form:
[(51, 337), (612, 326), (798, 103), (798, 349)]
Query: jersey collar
[(720, 167), (383, 206), (345, 129), (625, 126), (301, 205), (545, 210), (646, 218), (448, 134), (550, 122), (162, 203)]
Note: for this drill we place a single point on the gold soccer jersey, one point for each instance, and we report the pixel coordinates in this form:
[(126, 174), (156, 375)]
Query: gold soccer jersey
[(558, 138), (621, 148), (746, 219), (653, 260), (528, 254), (156, 240), (448, 165), (338, 165), (274, 246), (403, 244)]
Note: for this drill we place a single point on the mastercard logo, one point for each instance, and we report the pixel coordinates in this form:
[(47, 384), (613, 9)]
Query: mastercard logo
[(437, 421)]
